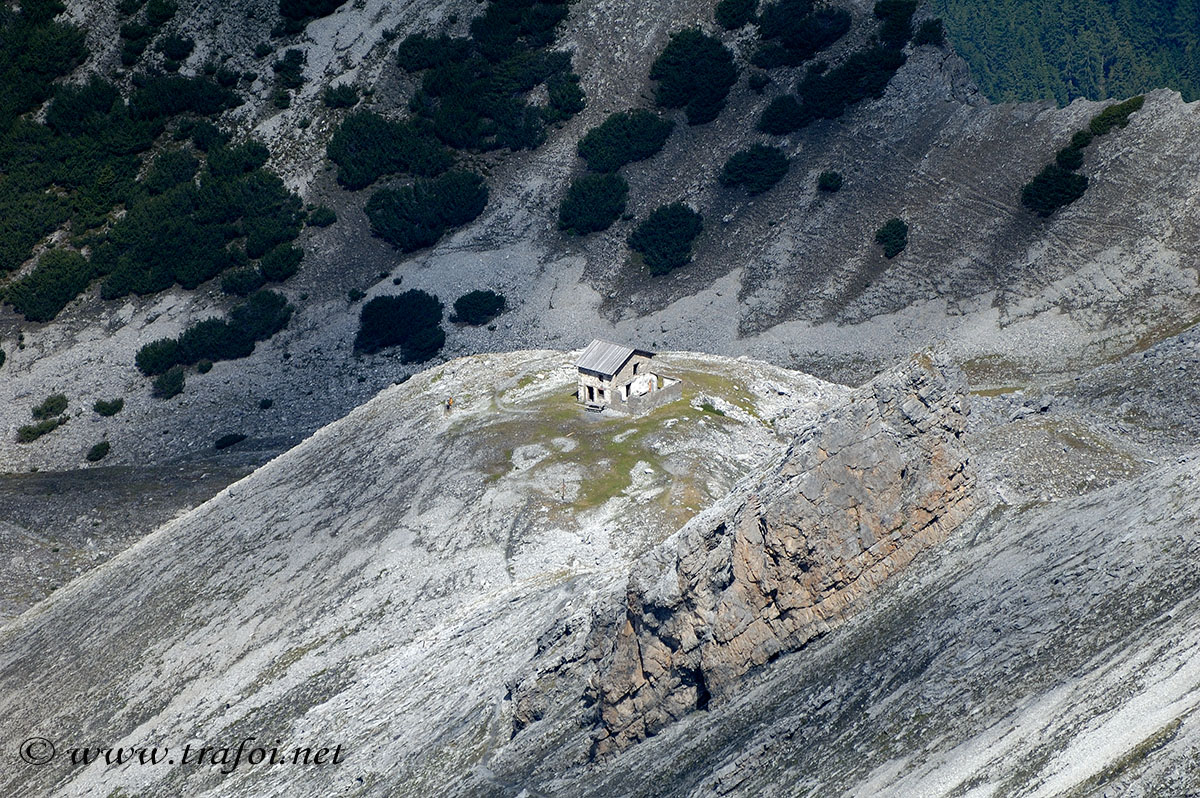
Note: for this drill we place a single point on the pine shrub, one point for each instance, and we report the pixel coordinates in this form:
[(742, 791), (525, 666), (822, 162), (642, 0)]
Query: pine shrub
[(624, 137), (1052, 188), (1115, 116), (416, 216), (366, 147), (343, 95), (930, 33), (830, 181), (893, 237), (109, 407), (31, 432), (758, 168), (406, 319), (665, 237), (733, 14), (694, 72), (593, 203), (321, 216), (478, 307), (53, 405), (59, 276), (169, 384)]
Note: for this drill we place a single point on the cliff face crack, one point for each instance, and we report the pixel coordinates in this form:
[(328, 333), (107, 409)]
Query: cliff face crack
[(854, 500)]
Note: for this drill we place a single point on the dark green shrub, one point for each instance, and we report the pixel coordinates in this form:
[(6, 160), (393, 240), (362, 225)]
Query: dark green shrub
[(213, 339), (1115, 116), (783, 115), (302, 10), (758, 81), (128, 8), (474, 92), (757, 168), (227, 77), (1081, 139), (593, 202), (792, 34), (506, 29), (228, 439), (98, 452), (366, 147), (169, 384), (281, 98), (624, 137), (829, 181), (132, 49), (52, 405), (263, 49), (31, 432), (207, 136), (170, 95), (3, 357), (395, 320), (783, 17), (243, 281), (59, 276), (827, 94), (893, 237), (416, 216), (176, 47), (260, 316), (204, 366), (81, 109), (265, 404), (238, 160), (1069, 158), (477, 307), (34, 50), (564, 97), (184, 235), (665, 238), (157, 356), (1053, 188), (280, 263), (896, 16), (159, 11), (289, 70), (110, 407), (171, 168), (419, 52), (930, 32), (341, 96), (733, 14), (321, 216), (694, 72), (423, 345)]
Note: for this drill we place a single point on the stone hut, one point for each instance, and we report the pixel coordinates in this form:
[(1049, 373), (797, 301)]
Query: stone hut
[(613, 375)]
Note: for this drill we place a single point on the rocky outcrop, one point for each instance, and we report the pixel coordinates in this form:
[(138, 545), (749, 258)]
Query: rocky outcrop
[(856, 497)]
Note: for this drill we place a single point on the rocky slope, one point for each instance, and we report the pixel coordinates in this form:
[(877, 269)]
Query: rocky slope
[(443, 595), (399, 555), (791, 276)]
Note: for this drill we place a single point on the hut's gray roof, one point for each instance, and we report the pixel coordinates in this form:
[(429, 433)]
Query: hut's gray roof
[(605, 357)]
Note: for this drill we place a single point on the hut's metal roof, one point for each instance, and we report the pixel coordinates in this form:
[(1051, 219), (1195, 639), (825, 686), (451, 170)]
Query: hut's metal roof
[(605, 357)]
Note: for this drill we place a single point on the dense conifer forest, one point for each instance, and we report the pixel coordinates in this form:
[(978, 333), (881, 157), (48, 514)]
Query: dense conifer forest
[(1064, 49)]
